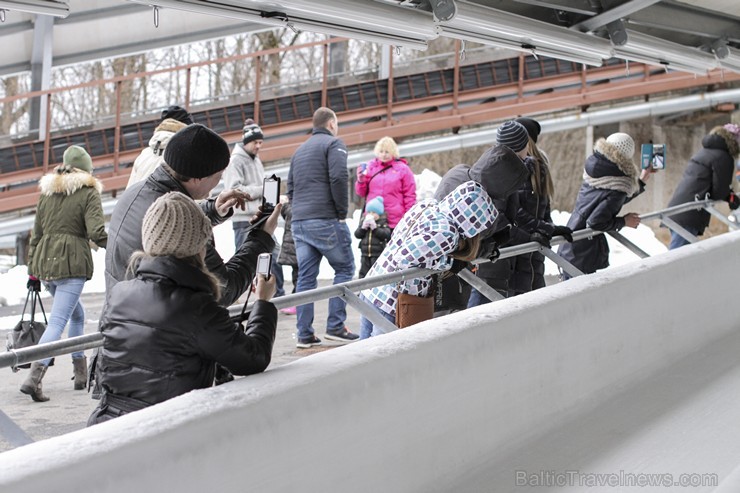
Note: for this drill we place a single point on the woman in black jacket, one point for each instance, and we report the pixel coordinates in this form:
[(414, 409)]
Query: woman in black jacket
[(610, 179), (533, 215), (709, 173), (163, 330)]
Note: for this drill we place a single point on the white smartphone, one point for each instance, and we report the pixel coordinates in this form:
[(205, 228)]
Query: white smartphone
[(264, 264)]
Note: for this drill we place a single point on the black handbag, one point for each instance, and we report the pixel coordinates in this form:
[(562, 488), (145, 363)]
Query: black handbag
[(27, 333)]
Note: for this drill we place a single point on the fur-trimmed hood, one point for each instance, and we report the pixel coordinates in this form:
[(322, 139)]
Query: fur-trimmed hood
[(67, 181), (721, 138), (608, 169)]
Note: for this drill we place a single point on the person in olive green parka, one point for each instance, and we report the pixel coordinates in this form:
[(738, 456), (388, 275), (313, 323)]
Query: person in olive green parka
[(69, 215)]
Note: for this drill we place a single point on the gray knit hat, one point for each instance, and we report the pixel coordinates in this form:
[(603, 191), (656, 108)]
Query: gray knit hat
[(175, 225), (197, 151), (77, 157), (512, 135)]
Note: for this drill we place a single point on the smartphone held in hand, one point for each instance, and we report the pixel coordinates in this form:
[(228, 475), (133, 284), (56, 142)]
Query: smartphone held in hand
[(653, 156), (270, 194), (264, 264)]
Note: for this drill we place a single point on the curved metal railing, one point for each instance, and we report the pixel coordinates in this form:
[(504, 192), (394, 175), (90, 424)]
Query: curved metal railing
[(349, 289)]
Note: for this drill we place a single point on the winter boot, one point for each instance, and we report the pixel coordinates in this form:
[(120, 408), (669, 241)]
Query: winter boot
[(32, 385), (80, 368)]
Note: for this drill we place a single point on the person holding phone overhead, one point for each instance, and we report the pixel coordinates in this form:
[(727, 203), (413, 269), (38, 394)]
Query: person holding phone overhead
[(164, 330), (611, 178)]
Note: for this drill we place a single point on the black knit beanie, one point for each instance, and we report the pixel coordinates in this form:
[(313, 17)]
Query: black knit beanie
[(532, 126), (196, 152), (512, 135), (177, 113), (251, 131)]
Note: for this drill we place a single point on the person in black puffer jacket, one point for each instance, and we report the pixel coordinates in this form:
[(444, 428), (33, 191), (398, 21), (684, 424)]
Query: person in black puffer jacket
[(533, 215), (610, 180), (709, 173), (164, 330)]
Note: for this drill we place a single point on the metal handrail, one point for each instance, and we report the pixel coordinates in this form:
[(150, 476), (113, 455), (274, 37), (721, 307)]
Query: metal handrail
[(14, 358)]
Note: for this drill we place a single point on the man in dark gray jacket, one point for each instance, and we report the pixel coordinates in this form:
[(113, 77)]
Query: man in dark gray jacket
[(318, 192), (194, 161)]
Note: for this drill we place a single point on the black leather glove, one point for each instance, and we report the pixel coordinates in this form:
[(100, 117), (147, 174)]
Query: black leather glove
[(494, 254), (540, 238), (563, 231), (33, 284), (733, 200)]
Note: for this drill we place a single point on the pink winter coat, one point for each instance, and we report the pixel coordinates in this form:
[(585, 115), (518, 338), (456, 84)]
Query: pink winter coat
[(395, 184)]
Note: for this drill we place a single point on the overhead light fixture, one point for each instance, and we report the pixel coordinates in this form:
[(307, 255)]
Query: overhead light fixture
[(729, 57), (40, 7), (401, 27), (656, 51), (444, 10), (497, 27)]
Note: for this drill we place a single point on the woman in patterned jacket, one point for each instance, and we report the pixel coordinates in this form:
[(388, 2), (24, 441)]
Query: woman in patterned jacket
[(431, 235)]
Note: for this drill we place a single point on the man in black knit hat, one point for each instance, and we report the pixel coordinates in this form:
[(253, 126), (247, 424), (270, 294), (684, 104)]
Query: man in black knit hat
[(195, 159)]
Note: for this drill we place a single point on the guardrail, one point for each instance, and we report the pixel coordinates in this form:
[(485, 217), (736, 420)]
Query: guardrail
[(348, 289)]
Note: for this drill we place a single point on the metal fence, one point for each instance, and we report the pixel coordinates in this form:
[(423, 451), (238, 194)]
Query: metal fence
[(348, 290)]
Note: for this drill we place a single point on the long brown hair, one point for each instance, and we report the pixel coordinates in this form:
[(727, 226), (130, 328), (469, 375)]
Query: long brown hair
[(467, 248), (540, 168)]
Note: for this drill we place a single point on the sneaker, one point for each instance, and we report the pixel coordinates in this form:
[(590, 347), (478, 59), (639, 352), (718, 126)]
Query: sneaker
[(343, 336), (288, 311), (307, 342)]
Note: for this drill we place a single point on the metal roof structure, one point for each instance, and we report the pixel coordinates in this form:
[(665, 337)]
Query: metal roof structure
[(689, 35)]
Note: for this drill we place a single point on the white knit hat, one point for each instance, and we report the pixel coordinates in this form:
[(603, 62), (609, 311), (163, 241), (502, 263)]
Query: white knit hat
[(175, 225), (623, 143)]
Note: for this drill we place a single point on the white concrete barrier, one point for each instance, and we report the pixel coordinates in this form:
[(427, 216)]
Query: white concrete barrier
[(418, 409)]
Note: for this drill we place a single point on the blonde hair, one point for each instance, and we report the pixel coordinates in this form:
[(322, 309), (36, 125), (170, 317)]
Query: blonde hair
[(195, 261), (387, 144), (540, 167)]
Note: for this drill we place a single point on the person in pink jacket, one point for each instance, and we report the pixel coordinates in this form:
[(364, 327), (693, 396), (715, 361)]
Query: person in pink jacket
[(389, 177)]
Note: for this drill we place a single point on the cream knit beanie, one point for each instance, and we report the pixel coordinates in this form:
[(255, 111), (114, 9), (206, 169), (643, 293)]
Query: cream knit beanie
[(175, 225), (623, 143)]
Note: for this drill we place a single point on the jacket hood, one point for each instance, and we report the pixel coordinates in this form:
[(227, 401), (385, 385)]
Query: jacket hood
[(469, 209), (625, 166), (161, 137), (66, 181), (500, 171), (608, 169), (721, 138)]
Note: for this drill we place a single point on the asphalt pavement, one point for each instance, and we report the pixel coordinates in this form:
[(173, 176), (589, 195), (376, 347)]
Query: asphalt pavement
[(23, 421)]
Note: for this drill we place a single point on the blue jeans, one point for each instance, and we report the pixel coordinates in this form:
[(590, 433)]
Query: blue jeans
[(678, 241), (315, 239), (66, 307), (477, 299), (276, 269), (367, 328)]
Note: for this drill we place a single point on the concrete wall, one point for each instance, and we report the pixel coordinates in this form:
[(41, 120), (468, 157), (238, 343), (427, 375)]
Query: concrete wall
[(416, 409)]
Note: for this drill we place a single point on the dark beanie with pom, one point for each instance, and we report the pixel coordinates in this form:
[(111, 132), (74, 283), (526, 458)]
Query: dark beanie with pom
[(196, 152)]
